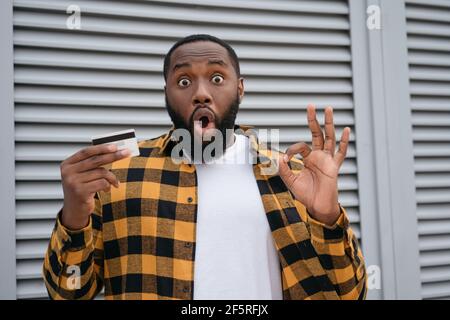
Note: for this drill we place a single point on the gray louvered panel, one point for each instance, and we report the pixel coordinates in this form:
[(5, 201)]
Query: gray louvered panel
[(169, 29), (156, 46), (30, 210), (182, 11), (429, 59), (31, 289), (434, 211)]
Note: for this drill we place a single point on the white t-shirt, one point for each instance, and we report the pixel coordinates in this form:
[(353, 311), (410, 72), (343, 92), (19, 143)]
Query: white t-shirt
[(235, 255)]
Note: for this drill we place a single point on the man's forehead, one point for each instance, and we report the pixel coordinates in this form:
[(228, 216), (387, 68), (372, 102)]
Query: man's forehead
[(199, 50)]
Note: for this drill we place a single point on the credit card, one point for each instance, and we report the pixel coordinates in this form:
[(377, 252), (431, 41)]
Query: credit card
[(125, 139)]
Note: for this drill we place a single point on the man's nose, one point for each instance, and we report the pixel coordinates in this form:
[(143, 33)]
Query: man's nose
[(201, 94)]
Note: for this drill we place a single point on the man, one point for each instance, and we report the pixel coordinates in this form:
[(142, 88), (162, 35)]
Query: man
[(208, 230)]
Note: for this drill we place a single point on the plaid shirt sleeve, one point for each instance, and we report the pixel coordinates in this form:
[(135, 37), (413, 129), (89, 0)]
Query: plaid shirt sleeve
[(338, 250), (73, 264)]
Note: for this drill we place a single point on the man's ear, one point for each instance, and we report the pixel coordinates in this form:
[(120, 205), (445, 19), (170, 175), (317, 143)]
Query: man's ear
[(241, 89)]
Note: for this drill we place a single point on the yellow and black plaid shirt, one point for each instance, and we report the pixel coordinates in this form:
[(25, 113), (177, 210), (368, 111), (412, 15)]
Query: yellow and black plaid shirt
[(140, 241)]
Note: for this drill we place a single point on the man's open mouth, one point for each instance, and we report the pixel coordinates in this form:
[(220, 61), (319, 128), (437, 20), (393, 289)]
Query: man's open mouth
[(204, 117)]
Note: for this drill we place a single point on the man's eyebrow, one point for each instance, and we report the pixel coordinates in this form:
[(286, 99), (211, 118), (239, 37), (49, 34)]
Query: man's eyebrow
[(181, 65), (217, 61)]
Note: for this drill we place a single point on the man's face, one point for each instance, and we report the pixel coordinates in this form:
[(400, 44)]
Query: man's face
[(203, 90)]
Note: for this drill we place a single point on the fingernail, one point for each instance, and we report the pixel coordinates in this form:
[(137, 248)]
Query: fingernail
[(285, 158), (112, 147)]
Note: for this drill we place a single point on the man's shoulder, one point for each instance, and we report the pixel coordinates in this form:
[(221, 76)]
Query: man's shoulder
[(152, 143)]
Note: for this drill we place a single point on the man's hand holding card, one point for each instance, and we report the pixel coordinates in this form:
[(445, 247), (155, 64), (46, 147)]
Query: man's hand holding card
[(82, 174)]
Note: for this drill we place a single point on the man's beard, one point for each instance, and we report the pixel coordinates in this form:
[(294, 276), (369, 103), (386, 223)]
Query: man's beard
[(224, 125)]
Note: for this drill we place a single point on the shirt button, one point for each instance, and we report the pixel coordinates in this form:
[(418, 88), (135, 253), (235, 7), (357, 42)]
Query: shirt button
[(188, 244), (189, 199)]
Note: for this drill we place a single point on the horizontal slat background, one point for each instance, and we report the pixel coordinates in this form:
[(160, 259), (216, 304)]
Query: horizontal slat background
[(73, 84), (428, 24)]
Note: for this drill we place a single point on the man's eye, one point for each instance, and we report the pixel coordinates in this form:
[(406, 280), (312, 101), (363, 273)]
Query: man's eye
[(217, 79), (184, 82)]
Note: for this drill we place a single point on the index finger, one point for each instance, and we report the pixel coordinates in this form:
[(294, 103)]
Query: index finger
[(90, 151)]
